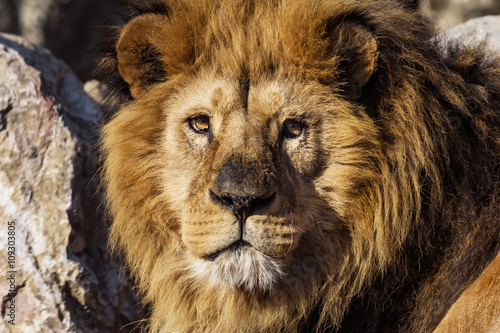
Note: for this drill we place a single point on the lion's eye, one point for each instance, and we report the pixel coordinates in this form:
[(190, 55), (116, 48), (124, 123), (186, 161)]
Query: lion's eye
[(292, 128), (200, 124)]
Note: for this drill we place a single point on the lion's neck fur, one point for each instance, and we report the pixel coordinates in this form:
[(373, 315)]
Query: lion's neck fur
[(448, 246)]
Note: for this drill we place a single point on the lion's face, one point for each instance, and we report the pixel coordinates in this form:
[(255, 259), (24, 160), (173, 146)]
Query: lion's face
[(255, 154), (246, 156), (246, 172)]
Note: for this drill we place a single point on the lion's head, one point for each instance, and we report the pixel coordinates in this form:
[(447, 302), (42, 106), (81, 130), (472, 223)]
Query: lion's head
[(270, 157)]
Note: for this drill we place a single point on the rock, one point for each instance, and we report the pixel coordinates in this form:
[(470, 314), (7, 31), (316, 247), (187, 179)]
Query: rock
[(480, 30), (50, 204), (95, 90), (449, 13)]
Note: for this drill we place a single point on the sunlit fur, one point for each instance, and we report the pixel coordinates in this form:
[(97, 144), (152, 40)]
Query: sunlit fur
[(386, 206), (241, 269)]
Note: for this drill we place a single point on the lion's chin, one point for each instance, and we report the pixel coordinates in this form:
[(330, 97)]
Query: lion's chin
[(239, 268)]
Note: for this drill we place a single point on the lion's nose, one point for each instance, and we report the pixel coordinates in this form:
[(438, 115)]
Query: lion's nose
[(244, 187), (243, 206)]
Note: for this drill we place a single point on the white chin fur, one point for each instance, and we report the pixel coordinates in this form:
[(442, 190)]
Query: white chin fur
[(240, 268)]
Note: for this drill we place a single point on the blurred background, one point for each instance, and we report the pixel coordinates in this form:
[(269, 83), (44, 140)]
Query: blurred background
[(69, 28)]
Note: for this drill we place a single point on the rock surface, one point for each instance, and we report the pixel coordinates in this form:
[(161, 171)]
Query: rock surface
[(480, 30), (49, 198)]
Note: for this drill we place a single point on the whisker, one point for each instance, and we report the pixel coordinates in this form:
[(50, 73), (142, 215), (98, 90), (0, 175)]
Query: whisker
[(137, 323)]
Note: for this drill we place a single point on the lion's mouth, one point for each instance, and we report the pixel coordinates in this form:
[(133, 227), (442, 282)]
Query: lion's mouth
[(233, 247)]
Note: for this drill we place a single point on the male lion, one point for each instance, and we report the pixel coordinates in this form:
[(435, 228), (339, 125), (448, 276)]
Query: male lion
[(302, 165)]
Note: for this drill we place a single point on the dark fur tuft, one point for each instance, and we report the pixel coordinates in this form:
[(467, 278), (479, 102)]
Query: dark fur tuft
[(116, 91)]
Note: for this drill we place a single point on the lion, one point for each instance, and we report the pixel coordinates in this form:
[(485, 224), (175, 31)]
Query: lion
[(301, 166)]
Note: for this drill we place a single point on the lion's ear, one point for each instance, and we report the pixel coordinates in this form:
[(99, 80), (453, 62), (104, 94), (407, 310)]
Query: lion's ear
[(358, 51), (140, 52)]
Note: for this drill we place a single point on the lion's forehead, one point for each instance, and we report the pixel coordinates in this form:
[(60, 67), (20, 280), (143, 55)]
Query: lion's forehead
[(250, 104)]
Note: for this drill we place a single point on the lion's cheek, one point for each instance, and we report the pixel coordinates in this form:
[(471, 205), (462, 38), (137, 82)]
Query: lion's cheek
[(205, 233), (277, 237)]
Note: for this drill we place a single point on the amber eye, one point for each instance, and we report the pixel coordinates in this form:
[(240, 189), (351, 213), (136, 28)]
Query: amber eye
[(292, 128), (200, 124)]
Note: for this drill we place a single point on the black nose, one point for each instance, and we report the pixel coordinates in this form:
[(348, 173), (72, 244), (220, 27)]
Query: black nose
[(243, 206), (244, 186)]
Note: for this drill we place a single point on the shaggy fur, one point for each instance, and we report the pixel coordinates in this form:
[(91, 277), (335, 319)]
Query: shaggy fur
[(374, 218)]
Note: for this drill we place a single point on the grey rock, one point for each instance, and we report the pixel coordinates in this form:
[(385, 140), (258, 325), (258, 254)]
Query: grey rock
[(483, 30), (49, 190)]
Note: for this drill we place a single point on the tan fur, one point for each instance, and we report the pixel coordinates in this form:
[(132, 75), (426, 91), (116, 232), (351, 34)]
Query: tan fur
[(477, 310), (370, 201)]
